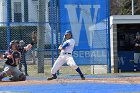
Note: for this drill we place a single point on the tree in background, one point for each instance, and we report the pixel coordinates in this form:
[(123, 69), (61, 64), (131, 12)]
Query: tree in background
[(123, 7)]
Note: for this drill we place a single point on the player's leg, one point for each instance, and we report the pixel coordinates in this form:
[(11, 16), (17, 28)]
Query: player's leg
[(17, 75), (58, 63), (139, 58), (20, 66), (72, 64), (3, 75), (6, 72), (25, 68), (136, 58)]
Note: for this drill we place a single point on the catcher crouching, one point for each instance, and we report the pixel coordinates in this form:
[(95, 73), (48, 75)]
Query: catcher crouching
[(12, 57)]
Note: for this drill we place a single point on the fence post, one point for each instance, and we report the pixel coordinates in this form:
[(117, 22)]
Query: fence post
[(40, 35), (8, 22), (109, 49)]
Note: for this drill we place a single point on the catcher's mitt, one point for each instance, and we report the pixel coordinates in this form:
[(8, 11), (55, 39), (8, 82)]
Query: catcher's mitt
[(34, 36)]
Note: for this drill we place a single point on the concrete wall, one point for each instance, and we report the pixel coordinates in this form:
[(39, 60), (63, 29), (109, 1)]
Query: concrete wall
[(113, 46)]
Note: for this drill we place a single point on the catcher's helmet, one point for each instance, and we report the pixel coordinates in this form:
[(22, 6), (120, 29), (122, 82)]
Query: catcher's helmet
[(14, 42), (68, 32)]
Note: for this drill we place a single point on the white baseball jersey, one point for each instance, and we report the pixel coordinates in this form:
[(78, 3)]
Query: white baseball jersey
[(69, 48)]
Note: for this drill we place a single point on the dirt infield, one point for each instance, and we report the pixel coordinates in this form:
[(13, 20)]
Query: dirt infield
[(122, 80)]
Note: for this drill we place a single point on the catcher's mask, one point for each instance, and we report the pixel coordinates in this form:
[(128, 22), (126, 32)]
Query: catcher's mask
[(21, 43)]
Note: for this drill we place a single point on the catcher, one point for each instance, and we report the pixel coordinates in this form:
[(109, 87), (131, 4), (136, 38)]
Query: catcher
[(12, 57)]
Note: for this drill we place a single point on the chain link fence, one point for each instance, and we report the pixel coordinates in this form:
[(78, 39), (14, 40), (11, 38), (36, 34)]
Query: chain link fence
[(19, 18)]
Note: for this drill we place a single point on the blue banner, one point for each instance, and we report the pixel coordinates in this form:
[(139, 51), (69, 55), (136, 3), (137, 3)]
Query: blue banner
[(88, 21), (126, 61)]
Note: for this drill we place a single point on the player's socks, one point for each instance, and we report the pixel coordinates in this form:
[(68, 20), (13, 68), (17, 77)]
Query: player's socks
[(82, 77), (79, 71), (81, 74)]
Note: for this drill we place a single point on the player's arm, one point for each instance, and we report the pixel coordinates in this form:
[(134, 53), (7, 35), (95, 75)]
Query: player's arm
[(6, 55), (61, 47), (28, 47), (34, 40)]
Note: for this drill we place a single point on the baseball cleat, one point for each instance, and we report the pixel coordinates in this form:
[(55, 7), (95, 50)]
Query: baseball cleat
[(27, 74), (82, 77), (51, 78)]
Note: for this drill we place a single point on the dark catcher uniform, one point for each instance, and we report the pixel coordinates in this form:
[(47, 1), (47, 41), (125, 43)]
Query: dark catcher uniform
[(10, 67), (23, 60)]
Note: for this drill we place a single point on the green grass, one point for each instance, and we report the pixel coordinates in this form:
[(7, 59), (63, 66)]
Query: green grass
[(64, 70), (33, 70)]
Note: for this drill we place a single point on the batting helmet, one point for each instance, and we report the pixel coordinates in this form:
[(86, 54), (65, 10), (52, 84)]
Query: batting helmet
[(68, 32), (12, 42)]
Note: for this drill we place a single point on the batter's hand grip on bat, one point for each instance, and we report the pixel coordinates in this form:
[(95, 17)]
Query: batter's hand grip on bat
[(60, 47)]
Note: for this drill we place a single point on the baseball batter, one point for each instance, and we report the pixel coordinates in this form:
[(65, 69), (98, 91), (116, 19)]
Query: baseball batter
[(66, 56), (10, 67)]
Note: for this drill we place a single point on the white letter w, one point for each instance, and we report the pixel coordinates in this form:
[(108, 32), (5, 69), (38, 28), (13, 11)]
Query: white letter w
[(85, 16)]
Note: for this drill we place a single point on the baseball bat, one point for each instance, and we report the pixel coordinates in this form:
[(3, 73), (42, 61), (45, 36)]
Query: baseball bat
[(63, 40)]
